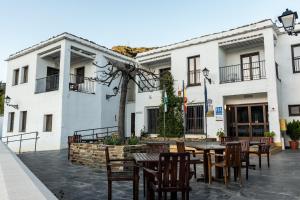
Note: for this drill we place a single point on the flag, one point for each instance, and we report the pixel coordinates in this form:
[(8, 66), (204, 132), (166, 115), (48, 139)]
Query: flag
[(184, 98), (165, 101)]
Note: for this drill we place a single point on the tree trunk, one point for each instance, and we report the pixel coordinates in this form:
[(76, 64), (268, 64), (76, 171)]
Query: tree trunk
[(122, 106)]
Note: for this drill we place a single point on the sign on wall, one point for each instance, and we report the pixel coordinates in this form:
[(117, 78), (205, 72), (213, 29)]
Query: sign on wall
[(219, 113)]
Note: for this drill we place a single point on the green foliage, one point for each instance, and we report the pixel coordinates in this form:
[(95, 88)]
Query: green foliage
[(269, 134), (113, 140), (220, 133), (293, 130), (173, 116), (133, 140), (129, 51), (2, 93)]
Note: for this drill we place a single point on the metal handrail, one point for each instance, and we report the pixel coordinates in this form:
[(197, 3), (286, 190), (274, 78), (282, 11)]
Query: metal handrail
[(95, 132), (7, 141), (82, 84)]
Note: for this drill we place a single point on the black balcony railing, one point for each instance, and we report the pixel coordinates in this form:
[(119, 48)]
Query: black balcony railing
[(47, 84), (244, 72), (296, 64), (82, 84)]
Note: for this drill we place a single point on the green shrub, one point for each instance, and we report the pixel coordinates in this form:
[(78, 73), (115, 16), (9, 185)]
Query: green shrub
[(293, 130), (133, 140), (270, 134), (220, 133), (112, 140)]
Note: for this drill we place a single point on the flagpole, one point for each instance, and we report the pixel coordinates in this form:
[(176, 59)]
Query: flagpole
[(184, 117)]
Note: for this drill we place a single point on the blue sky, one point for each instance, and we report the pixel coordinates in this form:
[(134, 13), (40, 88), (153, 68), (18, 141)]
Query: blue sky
[(126, 22)]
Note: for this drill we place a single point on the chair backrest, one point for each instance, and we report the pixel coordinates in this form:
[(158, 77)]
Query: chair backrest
[(174, 171), (245, 145), (180, 147), (228, 139), (157, 148), (265, 147), (233, 154), (265, 140)]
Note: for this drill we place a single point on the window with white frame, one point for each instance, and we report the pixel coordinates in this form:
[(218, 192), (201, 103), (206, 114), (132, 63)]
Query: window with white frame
[(23, 121), (11, 119), (16, 77), (48, 123)]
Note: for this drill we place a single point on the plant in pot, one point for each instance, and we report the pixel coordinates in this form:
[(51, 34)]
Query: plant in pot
[(293, 130), (270, 135), (220, 133)]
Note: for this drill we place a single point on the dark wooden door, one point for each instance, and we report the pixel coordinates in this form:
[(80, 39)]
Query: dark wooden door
[(250, 68), (132, 129), (80, 75)]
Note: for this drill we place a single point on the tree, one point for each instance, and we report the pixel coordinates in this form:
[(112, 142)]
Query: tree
[(173, 116), (2, 93), (124, 73)]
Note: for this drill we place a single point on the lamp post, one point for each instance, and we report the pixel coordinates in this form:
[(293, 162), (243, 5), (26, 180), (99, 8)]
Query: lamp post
[(115, 92), (7, 101), (288, 20), (205, 72)]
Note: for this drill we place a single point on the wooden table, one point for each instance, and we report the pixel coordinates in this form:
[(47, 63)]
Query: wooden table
[(206, 148), (143, 158)]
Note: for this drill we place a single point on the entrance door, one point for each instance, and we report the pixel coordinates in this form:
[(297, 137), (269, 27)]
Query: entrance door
[(247, 120), (250, 66), (132, 128)]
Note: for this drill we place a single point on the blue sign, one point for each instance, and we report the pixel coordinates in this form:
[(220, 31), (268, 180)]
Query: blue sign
[(219, 113)]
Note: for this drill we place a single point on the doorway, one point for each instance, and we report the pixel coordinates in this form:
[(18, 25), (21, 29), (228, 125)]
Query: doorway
[(250, 66), (250, 120), (132, 127)]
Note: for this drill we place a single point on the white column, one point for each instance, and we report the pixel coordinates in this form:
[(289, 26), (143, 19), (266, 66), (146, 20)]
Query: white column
[(64, 78), (273, 105)]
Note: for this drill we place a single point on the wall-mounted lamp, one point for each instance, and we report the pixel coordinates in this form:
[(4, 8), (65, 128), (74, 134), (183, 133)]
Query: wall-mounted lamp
[(7, 101), (288, 20), (115, 91)]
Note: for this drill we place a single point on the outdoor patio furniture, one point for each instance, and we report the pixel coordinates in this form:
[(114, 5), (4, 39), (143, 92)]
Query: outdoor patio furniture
[(226, 139), (172, 176), (245, 145), (181, 149), (231, 158), (130, 172), (263, 149), (206, 148)]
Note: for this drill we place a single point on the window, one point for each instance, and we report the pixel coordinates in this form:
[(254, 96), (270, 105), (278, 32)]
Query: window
[(195, 119), (47, 123), (80, 75), (153, 121), (11, 118), (296, 58), (194, 70), (24, 78), (16, 77), (162, 72), (23, 121), (294, 110)]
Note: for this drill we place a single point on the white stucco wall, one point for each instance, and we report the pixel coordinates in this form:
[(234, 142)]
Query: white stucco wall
[(1, 124)]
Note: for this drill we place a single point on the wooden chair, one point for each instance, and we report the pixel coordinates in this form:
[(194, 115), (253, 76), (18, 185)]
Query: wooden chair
[(263, 148), (231, 158), (172, 176), (130, 172), (194, 162), (245, 155), (228, 139)]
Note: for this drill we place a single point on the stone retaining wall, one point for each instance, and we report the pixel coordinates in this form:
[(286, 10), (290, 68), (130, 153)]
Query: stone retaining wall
[(94, 155)]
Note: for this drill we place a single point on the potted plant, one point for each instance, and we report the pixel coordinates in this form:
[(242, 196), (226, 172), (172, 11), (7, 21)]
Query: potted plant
[(293, 130), (270, 135), (220, 133)]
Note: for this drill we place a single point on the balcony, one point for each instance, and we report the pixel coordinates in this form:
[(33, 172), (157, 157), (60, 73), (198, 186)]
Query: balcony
[(81, 84), (47, 84), (244, 72)]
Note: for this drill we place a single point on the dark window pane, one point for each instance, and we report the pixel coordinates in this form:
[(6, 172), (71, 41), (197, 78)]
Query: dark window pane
[(242, 115), (153, 122), (257, 114), (194, 120)]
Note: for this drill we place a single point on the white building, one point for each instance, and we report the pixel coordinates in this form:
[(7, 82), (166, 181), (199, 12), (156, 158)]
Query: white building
[(48, 83), (254, 71), (253, 68)]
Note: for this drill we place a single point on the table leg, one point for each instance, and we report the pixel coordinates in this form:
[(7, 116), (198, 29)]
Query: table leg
[(205, 177)]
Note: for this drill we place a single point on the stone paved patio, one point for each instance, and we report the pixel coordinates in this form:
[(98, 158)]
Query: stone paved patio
[(74, 182)]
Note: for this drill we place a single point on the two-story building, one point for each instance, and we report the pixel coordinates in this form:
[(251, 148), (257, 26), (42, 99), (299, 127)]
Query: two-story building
[(52, 86), (255, 78)]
